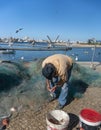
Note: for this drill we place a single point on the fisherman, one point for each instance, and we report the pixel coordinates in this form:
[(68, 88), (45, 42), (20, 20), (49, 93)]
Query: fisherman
[(57, 71)]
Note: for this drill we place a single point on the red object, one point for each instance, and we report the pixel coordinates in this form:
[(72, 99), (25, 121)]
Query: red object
[(5, 122), (90, 115), (81, 129)]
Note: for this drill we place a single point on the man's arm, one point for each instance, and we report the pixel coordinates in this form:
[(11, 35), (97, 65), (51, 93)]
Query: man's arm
[(48, 86)]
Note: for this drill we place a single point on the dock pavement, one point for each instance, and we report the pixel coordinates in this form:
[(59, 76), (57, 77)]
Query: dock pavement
[(93, 65)]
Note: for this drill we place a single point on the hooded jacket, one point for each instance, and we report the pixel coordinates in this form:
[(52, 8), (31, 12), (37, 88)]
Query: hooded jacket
[(62, 63)]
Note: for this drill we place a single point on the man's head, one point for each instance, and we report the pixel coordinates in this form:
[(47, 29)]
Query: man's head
[(48, 71)]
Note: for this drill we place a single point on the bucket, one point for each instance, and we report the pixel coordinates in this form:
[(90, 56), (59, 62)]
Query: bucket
[(89, 120), (57, 120)]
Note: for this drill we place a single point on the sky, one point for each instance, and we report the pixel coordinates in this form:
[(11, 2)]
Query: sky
[(76, 20)]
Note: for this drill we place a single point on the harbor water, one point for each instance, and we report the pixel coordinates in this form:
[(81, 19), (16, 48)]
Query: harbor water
[(78, 53)]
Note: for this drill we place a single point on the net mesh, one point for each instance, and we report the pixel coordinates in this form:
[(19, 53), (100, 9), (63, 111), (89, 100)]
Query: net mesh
[(22, 84)]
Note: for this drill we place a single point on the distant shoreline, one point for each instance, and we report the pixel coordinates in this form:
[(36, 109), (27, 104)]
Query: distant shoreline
[(79, 45)]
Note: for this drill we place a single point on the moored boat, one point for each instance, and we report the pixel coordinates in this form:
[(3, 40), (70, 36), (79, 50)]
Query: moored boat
[(6, 51)]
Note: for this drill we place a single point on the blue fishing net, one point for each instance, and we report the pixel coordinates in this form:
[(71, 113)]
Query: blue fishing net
[(82, 78), (22, 84)]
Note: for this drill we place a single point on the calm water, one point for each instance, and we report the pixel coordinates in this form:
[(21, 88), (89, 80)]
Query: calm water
[(80, 54)]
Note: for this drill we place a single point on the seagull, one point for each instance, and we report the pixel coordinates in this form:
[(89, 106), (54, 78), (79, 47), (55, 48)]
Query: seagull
[(76, 58), (18, 30), (22, 58)]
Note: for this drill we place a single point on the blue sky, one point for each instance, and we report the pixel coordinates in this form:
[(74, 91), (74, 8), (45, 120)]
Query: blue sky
[(71, 19)]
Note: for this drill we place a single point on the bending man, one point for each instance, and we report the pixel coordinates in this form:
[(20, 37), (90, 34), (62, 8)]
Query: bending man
[(57, 70)]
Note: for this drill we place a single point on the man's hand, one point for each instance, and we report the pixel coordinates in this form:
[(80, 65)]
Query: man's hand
[(53, 89), (49, 88)]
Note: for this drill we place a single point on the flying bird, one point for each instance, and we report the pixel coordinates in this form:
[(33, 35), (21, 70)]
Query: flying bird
[(19, 30)]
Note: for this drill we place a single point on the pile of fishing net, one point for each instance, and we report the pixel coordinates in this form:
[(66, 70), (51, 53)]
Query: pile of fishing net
[(22, 84), (82, 78)]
